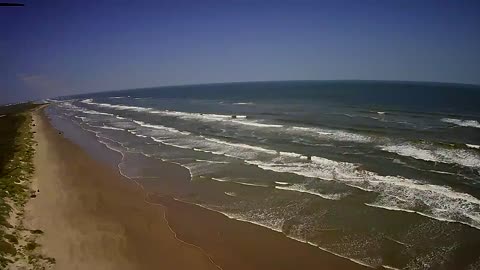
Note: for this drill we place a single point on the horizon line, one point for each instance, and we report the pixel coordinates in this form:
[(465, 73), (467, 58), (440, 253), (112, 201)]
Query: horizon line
[(272, 81)]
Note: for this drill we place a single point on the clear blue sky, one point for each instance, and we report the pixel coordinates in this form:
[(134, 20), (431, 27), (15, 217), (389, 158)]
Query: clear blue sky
[(51, 48)]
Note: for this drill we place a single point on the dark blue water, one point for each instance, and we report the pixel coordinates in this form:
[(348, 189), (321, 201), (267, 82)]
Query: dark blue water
[(384, 173)]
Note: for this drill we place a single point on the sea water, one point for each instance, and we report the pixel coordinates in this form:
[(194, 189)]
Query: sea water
[(383, 173)]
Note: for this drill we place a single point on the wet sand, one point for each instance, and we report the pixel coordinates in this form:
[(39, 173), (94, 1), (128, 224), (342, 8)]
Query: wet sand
[(95, 218)]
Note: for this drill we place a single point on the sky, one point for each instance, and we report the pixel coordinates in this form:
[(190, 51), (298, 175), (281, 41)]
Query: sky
[(54, 48)]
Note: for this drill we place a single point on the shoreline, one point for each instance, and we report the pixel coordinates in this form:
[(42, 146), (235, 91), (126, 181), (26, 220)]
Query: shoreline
[(87, 220), (264, 248), (256, 247)]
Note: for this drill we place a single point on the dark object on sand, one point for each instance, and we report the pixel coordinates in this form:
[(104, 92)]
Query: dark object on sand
[(38, 190), (33, 196)]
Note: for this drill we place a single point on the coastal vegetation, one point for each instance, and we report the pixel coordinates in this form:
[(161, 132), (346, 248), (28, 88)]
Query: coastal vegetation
[(17, 243)]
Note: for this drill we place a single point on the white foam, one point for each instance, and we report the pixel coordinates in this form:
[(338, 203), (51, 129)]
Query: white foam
[(438, 202), (213, 161), (436, 154), (317, 133), (249, 184), (207, 117), (118, 107), (95, 112), (194, 116), (291, 154), (169, 144), (462, 123), (238, 182), (84, 119), (71, 107), (390, 267), (136, 134), (256, 124), (160, 127), (302, 189), (330, 134), (109, 127), (474, 146), (274, 225), (242, 145), (442, 172), (244, 103), (87, 101), (281, 183)]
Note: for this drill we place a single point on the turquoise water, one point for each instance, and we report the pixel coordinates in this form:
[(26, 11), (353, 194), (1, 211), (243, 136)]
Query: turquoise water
[(384, 173)]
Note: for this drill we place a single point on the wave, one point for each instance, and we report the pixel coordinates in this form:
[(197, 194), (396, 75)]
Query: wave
[(84, 119), (303, 189), (242, 145), (212, 161), (259, 219), (138, 135), (434, 201), (442, 172), (244, 103), (87, 111), (112, 128), (474, 146), (256, 124), (231, 194), (291, 154), (461, 157), (337, 135), (169, 144), (69, 106), (117, 107), (199, 116), (281, 183), (160, 127), (317, 133), (108, 127), (238, 182), (462, 123), (219, 179), (207, 117)]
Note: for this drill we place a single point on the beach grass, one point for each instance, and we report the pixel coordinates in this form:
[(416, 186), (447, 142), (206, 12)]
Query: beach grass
[(16, 169)]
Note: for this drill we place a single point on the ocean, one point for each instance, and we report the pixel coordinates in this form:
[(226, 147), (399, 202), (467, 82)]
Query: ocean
[(383, 173)]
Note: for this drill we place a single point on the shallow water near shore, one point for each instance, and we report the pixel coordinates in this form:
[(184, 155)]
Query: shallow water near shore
[(380, 173)]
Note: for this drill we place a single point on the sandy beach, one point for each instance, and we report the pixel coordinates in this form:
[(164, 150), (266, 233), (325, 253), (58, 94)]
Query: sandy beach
[(93, 217)]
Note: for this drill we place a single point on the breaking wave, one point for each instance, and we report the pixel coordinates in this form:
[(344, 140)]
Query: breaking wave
[(462, 123)]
